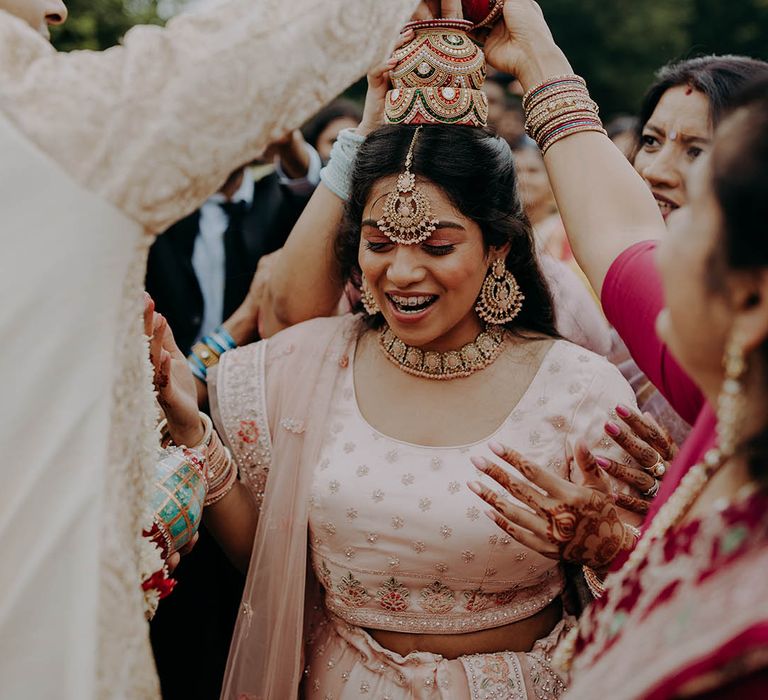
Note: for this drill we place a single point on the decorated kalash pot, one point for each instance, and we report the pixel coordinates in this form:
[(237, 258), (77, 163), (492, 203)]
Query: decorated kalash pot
[(175, 511), (439, 77)]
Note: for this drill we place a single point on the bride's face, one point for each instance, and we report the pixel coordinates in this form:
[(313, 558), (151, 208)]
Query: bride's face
[(38, 14), (427, 292)]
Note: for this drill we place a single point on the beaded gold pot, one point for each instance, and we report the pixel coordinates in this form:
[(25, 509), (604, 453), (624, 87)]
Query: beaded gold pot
[(178, 491), (438, 77)]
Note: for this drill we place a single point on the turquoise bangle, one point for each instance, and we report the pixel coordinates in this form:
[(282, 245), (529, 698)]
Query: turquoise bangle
[(223, 334), (197, 367)]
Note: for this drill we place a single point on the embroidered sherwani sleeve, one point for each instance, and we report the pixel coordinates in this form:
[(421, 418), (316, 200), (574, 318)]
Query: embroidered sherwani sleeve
[(156, 125)]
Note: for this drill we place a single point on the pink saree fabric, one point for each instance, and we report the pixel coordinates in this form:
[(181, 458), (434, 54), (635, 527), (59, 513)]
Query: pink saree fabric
[(693, 618)]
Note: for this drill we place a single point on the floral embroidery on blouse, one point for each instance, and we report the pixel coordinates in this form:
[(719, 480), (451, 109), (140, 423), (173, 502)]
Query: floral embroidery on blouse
[(249, 432), (352, 592), (393, 596), (437, 598)]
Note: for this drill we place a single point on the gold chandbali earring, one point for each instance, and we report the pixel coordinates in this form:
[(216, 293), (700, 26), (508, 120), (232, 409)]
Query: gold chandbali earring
[(500, 298), (407, 217), (369, 301)]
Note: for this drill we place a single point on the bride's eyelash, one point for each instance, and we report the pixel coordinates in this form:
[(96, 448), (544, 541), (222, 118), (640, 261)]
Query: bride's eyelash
[(373, 246), (438, 249)]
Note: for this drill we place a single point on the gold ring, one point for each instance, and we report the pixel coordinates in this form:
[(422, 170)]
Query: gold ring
[(659, 469), (651, 492)]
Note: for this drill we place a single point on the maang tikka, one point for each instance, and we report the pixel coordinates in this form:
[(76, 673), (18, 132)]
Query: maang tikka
[(407, 217)]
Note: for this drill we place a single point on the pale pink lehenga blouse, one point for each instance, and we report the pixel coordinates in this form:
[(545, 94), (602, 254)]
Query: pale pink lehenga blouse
[(395, 538)]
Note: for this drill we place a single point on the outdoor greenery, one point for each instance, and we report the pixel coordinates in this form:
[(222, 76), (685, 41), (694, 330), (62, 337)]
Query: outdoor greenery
[(616, 44)]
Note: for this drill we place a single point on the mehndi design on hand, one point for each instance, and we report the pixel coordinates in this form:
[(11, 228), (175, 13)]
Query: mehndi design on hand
[(562, 520)]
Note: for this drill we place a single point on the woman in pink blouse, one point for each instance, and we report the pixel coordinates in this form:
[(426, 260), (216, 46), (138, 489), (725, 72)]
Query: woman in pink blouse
[(658, 629), (372, 570)]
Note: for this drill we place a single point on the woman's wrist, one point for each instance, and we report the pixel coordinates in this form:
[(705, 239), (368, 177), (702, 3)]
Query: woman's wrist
[(542, 63), (189, 434), (243, 324)]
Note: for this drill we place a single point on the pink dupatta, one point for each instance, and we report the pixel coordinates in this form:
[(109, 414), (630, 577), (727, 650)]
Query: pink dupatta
[(270, 402)]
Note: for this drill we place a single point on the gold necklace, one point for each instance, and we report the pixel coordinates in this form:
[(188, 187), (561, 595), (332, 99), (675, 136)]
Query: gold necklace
[(473, 357)]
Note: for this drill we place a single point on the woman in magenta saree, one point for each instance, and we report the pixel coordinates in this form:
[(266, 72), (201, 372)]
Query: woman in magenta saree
[(686, 615)]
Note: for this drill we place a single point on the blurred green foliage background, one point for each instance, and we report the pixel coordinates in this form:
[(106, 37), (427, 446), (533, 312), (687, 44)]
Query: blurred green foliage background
[(616, 44)]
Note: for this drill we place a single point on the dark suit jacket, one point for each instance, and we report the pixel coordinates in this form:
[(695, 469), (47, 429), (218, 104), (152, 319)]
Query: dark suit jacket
[(262, 229), (194, 625)]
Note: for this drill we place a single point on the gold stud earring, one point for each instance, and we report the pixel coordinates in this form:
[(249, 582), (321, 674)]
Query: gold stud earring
[(369, 301), (730, 403), (500, 298)]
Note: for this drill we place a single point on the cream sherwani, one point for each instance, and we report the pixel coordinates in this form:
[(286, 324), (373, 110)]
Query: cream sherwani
[(98, 151)]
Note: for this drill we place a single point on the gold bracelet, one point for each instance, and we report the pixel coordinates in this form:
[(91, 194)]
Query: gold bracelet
[(563, 117), (206, 354), (552, 140), (550, 110), (165, 435), (553, 81), (217, 491), (594, 582), (556, 96)]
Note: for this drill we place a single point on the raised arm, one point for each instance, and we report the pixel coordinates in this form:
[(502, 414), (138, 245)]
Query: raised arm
[(157, 124), (305, 281), (604, 204)]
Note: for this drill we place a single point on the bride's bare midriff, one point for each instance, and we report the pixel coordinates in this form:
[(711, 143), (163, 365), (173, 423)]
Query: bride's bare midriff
[(517, 636)]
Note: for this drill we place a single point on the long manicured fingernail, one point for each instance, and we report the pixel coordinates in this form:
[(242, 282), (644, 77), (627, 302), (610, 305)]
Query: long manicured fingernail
[(480, 462), (623, 411), (612, 429), (497, 448), (603, 462), (475, 486)]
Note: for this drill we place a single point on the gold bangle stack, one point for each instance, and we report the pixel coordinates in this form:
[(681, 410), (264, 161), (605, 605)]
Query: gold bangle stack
[(222, 472), (559, 107)]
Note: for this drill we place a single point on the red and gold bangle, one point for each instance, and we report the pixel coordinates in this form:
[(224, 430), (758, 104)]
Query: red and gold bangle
[(540, 132), (549, 84), (570, 130), (568, 123)]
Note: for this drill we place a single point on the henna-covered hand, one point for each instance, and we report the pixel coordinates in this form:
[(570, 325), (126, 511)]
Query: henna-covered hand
[(560, 520), (645, 428), (646, 444), (174, 382)]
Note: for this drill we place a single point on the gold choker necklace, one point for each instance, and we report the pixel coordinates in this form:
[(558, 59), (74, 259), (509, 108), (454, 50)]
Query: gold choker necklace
[(452, 364)]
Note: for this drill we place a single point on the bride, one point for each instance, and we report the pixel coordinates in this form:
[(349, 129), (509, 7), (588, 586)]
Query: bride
[(371, 568)]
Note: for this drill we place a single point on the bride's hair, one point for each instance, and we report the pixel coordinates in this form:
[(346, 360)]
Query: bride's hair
[(475, 169)]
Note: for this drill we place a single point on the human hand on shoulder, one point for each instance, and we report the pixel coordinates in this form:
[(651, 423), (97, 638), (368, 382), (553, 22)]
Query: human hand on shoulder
[(562, 520)]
